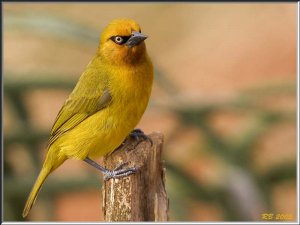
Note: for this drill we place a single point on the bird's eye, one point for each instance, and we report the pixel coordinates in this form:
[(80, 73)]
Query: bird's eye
[(119, 39)]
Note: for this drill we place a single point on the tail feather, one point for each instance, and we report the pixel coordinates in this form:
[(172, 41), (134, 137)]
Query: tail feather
[(35, 190)]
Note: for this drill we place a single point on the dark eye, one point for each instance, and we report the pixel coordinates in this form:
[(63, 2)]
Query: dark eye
[(119, 39)]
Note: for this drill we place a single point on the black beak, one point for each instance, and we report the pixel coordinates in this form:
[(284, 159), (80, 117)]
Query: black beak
[(135, 39)]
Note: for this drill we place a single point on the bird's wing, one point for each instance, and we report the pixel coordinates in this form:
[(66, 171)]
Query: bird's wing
[(77, 108)]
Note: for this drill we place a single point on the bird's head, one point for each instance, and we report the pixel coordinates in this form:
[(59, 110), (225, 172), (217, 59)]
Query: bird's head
[(122, 42)]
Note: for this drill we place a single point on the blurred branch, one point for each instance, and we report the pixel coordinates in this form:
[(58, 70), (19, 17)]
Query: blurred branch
[(53, 187), (36, 82), (188, 187), (51, 25), (21, 120), (192, 188), (25, 136), (287, 170), (272, 89), (264, 122), (199, 117)]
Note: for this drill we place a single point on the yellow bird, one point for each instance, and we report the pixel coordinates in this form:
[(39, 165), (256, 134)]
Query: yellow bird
[(106, 104)]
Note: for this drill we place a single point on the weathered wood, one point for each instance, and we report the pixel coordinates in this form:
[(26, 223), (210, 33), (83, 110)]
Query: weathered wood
[(140, 196)]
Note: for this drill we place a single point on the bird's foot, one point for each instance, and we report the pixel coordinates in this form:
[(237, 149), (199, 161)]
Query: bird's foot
[(118, 172), (139, 135)]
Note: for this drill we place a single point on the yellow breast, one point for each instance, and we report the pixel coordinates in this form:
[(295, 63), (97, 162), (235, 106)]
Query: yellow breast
[(104, 131)]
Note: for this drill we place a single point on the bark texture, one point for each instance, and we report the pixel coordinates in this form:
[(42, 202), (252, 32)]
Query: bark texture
[(140, 196)]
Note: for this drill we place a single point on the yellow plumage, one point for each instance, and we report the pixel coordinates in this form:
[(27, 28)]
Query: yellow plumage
[(106, 104)]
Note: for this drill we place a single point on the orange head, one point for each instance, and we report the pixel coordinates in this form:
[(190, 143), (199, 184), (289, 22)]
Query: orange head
[(122, 42)]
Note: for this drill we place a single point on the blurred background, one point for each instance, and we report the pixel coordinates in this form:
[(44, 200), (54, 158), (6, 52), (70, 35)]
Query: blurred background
[(224, 97)]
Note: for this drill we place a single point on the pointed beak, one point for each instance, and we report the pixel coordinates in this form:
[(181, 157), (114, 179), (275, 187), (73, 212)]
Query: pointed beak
[(135, 39)]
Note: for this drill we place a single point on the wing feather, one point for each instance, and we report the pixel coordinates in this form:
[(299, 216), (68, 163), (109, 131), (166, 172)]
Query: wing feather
[(77, 108)]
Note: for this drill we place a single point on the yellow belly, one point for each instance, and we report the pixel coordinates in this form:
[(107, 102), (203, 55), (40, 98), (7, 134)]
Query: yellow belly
[(104, 131), (101, 133)]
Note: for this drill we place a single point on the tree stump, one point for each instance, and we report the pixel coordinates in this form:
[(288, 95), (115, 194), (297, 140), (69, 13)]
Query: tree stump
[(140, 196)]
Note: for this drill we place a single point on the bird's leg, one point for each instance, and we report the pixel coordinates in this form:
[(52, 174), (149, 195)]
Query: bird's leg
[(138, 134), (118, 172)]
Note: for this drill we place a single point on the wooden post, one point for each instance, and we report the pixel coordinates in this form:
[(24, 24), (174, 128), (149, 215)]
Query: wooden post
[(140, 196)]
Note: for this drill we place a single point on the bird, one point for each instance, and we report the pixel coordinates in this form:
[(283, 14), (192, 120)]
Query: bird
[(105, 105)]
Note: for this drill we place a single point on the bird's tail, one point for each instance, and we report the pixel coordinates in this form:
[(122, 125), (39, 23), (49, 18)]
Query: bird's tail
[(36, 188)]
